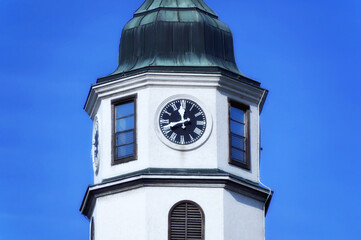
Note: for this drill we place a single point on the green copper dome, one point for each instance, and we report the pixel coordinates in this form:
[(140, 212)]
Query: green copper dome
[(175, 34)]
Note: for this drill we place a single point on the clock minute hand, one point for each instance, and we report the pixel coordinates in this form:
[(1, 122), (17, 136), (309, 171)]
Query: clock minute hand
[(181, 113)]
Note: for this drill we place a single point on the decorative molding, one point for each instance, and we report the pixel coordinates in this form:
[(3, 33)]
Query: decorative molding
[(245, 90), (210, 178)]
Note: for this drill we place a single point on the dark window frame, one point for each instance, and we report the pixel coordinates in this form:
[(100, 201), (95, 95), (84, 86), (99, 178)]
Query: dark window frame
[(189, 202), (245, 108), (115, 103)]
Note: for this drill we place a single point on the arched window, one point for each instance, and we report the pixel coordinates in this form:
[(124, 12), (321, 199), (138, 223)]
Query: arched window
[(186, 221)]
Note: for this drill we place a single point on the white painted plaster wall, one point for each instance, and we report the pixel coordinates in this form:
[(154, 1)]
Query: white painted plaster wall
[(152, 153), (95, 223), (142, 214), (121, 216), (243, 217)]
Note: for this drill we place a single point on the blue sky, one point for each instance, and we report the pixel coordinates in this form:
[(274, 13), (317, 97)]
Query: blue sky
[(307, 53)]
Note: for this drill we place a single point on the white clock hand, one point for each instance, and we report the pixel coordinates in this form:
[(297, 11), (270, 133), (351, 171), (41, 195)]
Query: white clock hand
[(172, 124), (181, 112)]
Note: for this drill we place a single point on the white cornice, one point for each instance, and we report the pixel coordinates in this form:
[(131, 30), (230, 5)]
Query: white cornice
[(171, 180), (249, 92)]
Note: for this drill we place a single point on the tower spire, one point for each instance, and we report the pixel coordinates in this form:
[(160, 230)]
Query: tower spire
[(181, 35), (176, 133)]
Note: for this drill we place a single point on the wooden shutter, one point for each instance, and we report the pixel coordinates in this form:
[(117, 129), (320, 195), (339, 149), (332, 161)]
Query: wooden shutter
[(186, 221)]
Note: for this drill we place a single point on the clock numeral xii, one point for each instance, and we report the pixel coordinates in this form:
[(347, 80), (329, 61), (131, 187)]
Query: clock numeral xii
[(183, 104)]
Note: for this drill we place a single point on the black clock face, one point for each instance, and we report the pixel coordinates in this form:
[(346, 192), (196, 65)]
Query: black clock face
[(182, 121)]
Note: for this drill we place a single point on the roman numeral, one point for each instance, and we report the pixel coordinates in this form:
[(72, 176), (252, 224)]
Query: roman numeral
[(201, 123), (183, 104), (164, 121), (190, 136), (173, 136), (191, 107), (182, 139), (197, 131), (197, 114), (165, 111), (166, 130), (174, 106)]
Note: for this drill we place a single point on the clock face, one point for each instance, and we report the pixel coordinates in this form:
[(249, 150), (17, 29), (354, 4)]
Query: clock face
[(95, 147), (182, 121)]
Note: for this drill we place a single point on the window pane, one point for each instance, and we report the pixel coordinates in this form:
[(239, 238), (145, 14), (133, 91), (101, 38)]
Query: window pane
[(237, 128), (125, 124), (238, 142), (125, 138), (238, 155), (125, 109), (125, 151), (237, 114)]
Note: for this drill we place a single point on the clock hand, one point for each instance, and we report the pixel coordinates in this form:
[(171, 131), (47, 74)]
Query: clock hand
[(172, 124), (181, 112)]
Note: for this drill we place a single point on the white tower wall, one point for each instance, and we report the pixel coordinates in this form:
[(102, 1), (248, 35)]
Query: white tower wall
[(203, 166), (132, 200), (151, 91), (143, 214)]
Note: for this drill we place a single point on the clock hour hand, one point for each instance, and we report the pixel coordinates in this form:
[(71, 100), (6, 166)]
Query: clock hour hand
[(172, 124)]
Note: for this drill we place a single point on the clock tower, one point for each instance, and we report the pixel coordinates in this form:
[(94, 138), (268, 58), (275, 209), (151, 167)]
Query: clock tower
[(176, 139)]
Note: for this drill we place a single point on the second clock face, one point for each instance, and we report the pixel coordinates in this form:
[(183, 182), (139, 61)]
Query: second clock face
[(182, 121)]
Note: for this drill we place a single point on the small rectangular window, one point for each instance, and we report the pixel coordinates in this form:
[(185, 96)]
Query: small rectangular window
[(124, 139), (238, 135)]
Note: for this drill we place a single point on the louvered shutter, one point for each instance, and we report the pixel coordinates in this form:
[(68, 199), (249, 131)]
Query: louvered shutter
[(186, 222)]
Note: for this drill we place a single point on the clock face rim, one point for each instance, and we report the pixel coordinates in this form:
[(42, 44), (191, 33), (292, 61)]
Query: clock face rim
[(186, 147), (201, 116)]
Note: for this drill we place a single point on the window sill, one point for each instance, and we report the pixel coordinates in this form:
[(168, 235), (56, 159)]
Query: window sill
[(239, 164), (123, 160)]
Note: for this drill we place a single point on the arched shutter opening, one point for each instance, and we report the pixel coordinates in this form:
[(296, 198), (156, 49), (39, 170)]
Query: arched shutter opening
[(186, 221)]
